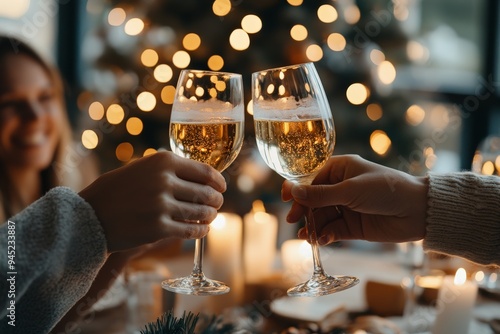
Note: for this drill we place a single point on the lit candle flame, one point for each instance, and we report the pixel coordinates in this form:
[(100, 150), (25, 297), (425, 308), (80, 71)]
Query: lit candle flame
[(460, 277)]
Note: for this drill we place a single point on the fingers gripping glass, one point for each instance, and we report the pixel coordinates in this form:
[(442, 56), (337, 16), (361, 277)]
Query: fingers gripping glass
[(206, 125), (295, 135)]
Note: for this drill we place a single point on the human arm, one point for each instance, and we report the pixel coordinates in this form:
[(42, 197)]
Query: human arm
[(378, 203), (138, 204)]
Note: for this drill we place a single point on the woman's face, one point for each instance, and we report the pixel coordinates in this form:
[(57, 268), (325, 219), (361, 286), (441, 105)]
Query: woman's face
[(30, 113)]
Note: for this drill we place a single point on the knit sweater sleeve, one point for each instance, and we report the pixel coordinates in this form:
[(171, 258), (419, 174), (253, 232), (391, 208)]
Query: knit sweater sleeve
[(463, 217), (58, 247)]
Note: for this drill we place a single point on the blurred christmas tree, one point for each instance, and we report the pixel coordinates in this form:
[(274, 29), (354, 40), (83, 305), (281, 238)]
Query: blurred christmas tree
[(138, 48)]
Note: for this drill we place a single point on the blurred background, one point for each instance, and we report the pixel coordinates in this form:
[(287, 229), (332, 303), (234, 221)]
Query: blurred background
[(412, 84)]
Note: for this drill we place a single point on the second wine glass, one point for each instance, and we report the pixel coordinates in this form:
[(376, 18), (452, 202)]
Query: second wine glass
[(207, 125), (296, 136)]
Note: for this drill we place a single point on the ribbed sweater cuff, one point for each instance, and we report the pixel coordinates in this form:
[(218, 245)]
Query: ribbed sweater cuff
[(463, 217)]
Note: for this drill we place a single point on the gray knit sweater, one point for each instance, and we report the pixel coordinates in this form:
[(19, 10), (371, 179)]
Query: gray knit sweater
[(59, 248), (464, 216)]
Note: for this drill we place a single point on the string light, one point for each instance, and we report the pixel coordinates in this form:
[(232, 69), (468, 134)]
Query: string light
[(163, 73), (124, 151), (181, 59), (116, 16), (168, 94), (134, 126), (191, 41), (251, 24), (327, 14), (415, 115), (298, 32), (215, 62), (380, 142), (96, 111), (314, 52), (134, 26), (221, 7), (239, 40), (374, 111), (357, 93), (115, 114), (386, 72), (149, 151), (146, 101), (90, 139), (336, 42), (149, 57)]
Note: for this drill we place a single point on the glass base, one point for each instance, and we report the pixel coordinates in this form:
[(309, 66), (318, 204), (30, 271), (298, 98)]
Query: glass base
[(194, 285), (321, 285)]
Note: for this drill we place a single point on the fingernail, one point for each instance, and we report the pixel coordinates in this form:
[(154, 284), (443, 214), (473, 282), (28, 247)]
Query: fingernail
[(299, 192), (323, 240)]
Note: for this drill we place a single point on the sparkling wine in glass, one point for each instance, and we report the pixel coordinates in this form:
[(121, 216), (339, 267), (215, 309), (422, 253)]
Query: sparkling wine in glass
[(295, 135), (207, 125)]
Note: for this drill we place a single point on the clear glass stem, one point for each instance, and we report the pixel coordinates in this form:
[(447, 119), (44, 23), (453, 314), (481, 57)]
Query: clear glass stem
[(313, 239), (198, 257)]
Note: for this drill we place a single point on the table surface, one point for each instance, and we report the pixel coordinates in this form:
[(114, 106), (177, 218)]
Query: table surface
[(365, 264)]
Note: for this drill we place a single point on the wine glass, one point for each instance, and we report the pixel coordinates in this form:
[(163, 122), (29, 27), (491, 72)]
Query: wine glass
[(207, 125), (296, 136)]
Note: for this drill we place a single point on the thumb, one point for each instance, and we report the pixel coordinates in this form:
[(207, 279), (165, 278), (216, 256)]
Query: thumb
[(317, 196)]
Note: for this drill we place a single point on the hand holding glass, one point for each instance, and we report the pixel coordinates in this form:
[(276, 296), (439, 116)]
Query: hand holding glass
[(206, 125), (295, 135)]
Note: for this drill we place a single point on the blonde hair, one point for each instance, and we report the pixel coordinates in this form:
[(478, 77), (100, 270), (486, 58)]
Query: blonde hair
[(63, 170)]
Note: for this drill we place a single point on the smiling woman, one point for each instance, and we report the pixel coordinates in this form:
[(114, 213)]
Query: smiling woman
[(35, 134)]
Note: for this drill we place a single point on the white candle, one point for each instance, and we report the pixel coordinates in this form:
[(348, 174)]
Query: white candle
[(296, 256), (260, 236), (456, 299), (224, 258)]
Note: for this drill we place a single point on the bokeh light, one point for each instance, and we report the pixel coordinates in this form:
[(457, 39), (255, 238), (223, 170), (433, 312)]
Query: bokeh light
[(146, 101), (221, 7), (163, 73), (327, 13), (116, 16), (149, 57), (380, 142), (96, 111), (124, 151), (134, 26), (239, 40), (357, 93), (134, 126), (298, 32), (181, 59), (336, 41), (90, 139), (191, 41), (168, 94), (115, 114), (314, 52), (215, 63), (374, 111), (415, 115), (251, 24), (386, 72)]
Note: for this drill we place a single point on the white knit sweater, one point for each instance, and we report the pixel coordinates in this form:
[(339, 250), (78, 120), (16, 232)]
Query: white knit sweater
[(59, 248), (463, 216)]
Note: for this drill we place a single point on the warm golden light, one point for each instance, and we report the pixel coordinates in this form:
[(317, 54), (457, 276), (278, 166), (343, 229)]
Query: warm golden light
[(357, 93), (374, 111), (116, 16), (417, 52), (250, 107), (497, 164), (89, 139), (149, 151), (327, 13), (251, 24), (415, 115), (96, 111), (488, 168), (215, 62), (134, 26), (401, 12), (460, 277), (239, 40), (298, 32), (115, 114), (377, 56), (134, 126), (181, 59), (386, 72), (314, 52), (191, 41), (168, 94), (149, 57), (336, 42), (380, 142), (352, 14), (124, 152), (295, 2), (146, 101), (221, 7), (163, 73)]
